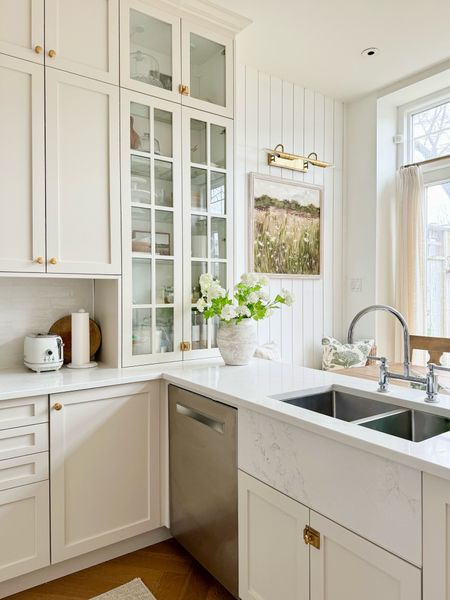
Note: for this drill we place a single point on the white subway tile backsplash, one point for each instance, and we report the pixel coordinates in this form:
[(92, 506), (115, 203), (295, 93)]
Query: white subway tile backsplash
[(30, 305)]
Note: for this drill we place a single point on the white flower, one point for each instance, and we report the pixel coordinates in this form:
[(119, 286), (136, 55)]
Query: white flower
[(264, 296), (215, 291), (253, 298), (201, 304), (249, 279), (263, 280), (228, 312), (243, 311), (288, 297), (206, 281)]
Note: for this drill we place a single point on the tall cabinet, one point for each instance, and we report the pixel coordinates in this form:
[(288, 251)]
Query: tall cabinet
[(177, 160)]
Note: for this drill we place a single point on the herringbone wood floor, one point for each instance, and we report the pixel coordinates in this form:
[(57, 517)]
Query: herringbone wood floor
[(165, 568)]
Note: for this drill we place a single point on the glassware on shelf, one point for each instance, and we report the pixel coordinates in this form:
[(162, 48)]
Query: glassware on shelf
[(164, 330), (199, 237), (142, 331)]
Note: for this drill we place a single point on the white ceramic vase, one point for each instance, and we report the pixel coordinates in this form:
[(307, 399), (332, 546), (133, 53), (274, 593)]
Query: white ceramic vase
[(237, 341)]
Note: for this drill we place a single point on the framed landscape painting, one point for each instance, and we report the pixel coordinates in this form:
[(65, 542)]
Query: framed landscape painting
[(285, 233)]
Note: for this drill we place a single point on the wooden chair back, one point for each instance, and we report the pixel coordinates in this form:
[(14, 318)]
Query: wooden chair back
[(435, 346)]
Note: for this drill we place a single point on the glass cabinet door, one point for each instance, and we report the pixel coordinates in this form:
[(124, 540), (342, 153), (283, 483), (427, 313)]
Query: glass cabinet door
[(207, 218), (150, 50), (151, 199), (207, 76)]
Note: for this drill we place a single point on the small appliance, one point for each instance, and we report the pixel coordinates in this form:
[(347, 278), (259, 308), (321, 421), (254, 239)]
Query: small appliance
[(43, 352)]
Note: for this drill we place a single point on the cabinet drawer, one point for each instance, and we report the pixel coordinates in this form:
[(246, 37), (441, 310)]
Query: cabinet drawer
[(23, 411), (21, 441), (23, 470)]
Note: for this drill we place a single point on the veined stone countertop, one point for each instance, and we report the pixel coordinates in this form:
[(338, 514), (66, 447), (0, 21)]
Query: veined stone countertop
[(251, 387)]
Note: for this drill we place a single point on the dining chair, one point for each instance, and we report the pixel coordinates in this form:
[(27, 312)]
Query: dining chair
[(435, 346)]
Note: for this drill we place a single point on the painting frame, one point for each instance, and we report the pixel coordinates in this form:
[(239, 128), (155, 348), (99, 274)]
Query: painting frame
[(254, 178)]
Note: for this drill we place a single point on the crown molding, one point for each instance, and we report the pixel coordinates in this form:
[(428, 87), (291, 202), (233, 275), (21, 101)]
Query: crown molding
[(204, 9)]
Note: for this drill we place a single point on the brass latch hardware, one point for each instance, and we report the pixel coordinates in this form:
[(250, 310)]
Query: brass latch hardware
[(183, 89), (185, 346), (311, 537)]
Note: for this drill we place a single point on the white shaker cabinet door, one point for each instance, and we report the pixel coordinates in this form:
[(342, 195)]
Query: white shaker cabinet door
[(104, 466), (24, 523), (22, 166), (83, 180), (273, 558), (22, 29), (82, 37), (436, 538), (348, 567)]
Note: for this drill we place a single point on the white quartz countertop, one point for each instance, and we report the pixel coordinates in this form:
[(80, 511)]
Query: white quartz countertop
[(251, 387)]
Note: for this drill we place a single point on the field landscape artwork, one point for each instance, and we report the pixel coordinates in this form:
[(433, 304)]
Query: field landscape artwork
[(285, 221)]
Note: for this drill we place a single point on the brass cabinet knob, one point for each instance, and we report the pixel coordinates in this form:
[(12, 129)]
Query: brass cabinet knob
[(57, 406), (38, 49), (53, 260), (39, 260), (52, 53), (183, 89)]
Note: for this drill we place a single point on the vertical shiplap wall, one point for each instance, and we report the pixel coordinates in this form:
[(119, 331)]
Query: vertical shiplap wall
[(270, 111)]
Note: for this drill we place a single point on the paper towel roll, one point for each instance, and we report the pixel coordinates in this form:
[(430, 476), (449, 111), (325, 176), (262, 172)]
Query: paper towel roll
[(80, 338)]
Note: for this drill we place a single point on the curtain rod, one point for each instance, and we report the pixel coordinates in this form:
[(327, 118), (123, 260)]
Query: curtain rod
[(427, 162)]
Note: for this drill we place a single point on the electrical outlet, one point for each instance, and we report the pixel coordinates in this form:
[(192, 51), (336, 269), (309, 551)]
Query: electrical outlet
[(356, 285)]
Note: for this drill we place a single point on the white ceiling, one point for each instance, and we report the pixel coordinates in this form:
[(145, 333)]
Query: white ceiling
[(318, 43)]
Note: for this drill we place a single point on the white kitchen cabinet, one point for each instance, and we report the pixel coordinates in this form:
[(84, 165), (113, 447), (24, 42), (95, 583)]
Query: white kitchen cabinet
[(83, 37), (207, 69), (24, 523), (273, 559), (22, 165), (82, 171), (275, 562), (348, 566), (436, 538), (104, 466), (207, 219), (22, 29)]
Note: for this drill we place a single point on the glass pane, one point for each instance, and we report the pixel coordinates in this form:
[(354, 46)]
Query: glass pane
[(207, 70), (140, 180), (142, 331), (199, 331), (198, 142), (141, 228), (218, 238), (140, 127), (164, 233), (219, 272), (164, 282), (163, 183), (431, 132), (150, 50), (163, 132), (142, 281), (198, 189), (197, 269), (164, 330), (218, 146), (199, 237), (217, 201)]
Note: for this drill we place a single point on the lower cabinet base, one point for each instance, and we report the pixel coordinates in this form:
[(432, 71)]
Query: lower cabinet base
[(18, 584)]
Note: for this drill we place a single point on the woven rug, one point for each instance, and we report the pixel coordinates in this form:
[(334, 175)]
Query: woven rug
[(134, 590)]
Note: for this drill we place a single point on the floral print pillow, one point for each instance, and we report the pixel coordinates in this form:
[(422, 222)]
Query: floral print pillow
[(344, 356)]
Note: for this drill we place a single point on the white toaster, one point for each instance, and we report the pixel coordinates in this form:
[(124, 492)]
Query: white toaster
[(43, 352)]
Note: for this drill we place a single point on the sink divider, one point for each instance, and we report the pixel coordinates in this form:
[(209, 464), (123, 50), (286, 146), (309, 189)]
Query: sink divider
[(389, 413)]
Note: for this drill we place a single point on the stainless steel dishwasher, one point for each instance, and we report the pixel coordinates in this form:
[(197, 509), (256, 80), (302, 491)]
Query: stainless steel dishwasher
[(203, 482)]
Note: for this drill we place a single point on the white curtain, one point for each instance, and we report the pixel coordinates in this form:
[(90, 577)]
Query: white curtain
[(410, 280)]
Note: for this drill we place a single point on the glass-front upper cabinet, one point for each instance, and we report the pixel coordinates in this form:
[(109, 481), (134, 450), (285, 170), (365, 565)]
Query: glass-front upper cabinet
[(207, 218), (152, 247), (150, 50), (207, 70)]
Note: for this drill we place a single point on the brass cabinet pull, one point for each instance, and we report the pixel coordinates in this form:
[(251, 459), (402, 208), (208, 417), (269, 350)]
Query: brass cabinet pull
[(39, 260), (38, 49), (57, 406), (52, 53), (183, 89), (53, 260), (185, 346), (311, 537)]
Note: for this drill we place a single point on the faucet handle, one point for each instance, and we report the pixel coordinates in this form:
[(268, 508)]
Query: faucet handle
[(435, 367), (383, 378), (381, 359)]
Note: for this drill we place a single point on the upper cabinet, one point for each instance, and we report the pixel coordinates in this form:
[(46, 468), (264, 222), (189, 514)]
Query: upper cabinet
[(22, 29), (83, 37), (165, 55)]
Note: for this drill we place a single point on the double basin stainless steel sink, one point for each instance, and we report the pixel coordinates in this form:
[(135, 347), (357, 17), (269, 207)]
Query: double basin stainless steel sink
[(412, 425)]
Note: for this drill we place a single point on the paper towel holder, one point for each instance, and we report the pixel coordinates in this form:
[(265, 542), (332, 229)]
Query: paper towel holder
[(88, 364)]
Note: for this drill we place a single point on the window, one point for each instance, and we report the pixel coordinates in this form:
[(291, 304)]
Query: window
[(430, 132)]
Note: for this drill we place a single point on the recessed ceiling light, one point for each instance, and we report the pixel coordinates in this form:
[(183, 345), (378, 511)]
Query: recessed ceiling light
[(370, 52)]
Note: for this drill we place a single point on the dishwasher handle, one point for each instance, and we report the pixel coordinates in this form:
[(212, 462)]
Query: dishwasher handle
[(210, 422)]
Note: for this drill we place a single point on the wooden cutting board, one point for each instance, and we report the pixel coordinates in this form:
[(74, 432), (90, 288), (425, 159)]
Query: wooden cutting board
[(63, 327)]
